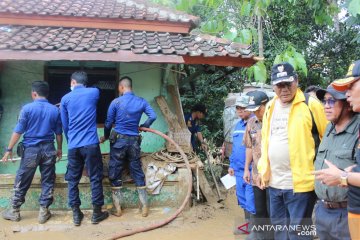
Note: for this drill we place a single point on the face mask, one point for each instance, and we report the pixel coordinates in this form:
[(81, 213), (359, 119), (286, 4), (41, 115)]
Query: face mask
[(72, 88)]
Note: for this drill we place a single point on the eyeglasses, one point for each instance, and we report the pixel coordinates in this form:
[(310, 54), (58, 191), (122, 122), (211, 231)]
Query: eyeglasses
[(330, 102), (284, 85), (241, 109)]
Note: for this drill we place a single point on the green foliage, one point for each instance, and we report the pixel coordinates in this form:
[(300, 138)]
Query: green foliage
[(296, 59), (244, 36), (301, 32), (354, 7), (354, 20), (231, 35), (257, 72), (212, 27), (245, 9), (185, 5), (210, 90), (330, 56)]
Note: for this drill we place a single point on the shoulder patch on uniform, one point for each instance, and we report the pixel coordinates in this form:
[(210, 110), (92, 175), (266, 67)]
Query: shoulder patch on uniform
[(189, 123)]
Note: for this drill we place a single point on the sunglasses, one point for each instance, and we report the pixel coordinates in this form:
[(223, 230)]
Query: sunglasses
[(331, 102), (284, 85)]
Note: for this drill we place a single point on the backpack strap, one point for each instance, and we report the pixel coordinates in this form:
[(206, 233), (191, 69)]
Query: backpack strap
[(314, 130)]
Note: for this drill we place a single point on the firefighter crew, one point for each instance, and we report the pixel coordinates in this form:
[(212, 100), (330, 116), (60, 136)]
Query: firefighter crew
[(39, 121), (192, 120), (78, 116), (125, 112)]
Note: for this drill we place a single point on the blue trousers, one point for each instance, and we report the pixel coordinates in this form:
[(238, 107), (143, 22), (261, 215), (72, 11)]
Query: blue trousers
[(44, 156), (77, 158), (125, 149), (331, 223), (244, 193), (289, 209)]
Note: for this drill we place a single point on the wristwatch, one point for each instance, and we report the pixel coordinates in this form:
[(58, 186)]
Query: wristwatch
[(9, 149), (344, 178)]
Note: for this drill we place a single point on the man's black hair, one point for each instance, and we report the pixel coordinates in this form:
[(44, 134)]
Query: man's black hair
[(200, 108), (80, 77), (126, 81), (41, 88), (311, 88)]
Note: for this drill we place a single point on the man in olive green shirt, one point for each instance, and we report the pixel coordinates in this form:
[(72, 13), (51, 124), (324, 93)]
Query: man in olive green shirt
[(338, 147)]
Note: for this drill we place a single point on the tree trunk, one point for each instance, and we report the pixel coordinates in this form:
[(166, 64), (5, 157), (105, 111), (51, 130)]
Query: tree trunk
[(336, 19), (260, 36)]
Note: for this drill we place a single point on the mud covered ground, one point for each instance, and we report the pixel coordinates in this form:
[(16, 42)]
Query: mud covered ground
[(201, 222)]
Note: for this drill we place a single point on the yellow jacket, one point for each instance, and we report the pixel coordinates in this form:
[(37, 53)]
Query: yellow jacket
[(301, 142)]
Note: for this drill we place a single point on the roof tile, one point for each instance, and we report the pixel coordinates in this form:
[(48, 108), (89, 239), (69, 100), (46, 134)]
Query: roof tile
[(134, 9), (95, 40)]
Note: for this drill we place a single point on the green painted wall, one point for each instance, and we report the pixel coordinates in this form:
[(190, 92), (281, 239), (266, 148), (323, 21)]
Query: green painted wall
[(16, 91), (15, 82)]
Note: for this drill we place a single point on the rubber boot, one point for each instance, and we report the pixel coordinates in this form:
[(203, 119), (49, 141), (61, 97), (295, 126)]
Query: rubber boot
[(77, 215), (12, 214), (144, 206), (117, 199), (44, 214), (98, 215)]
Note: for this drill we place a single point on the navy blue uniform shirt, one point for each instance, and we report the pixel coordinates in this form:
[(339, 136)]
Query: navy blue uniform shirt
[(194, 127), (39, 121), (125, 111), (78, 116)]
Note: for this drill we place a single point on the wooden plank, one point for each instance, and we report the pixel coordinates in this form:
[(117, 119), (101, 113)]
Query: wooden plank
[(205, 187), (174, 92), (241, 61), (119, 56), (170, 117)]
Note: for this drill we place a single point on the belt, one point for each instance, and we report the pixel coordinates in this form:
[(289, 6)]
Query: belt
[(40, 143), (127, 137), (334, 205)]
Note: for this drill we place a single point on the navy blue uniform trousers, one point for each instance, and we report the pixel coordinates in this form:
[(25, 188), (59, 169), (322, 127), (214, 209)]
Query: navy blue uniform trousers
[(44, 156), (125, 149), (77, 158)]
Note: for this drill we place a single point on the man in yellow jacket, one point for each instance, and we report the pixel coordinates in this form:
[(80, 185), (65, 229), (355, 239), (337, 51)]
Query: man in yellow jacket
[(292, 125)]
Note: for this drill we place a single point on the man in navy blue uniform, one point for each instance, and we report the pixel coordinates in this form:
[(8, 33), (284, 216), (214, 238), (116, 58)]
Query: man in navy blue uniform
[(39, 121), (244, 191), (125, 112), (78, 116), (192, 119)]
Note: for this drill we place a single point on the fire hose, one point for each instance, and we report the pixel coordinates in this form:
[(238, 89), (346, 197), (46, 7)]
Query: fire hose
[(179, 210)]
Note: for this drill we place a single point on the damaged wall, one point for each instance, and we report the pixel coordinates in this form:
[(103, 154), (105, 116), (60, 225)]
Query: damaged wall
[(17, 76)]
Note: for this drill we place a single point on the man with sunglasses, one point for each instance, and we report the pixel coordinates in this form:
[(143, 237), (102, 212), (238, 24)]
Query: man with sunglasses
[(348, 177), (331, 208), (288, 152)]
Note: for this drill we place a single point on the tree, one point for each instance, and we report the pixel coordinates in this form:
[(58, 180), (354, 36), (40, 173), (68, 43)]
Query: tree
[(307, 33)]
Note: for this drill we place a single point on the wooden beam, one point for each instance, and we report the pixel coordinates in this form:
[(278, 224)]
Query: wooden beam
[(224, 61), (94, 22), (169, 116), (174, 92), (122, 56), (205, 187), (119, 56)]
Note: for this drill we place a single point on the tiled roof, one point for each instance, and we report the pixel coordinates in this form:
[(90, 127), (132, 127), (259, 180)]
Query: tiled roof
[(97, 40), (123, 9)]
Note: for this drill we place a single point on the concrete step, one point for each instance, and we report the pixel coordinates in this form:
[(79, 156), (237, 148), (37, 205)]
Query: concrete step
[(172, 193)]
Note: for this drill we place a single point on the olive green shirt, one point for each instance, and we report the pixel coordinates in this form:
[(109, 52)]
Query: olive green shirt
[(338, 148)]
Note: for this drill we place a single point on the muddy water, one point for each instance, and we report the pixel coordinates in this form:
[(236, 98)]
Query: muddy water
[(201, 222)]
